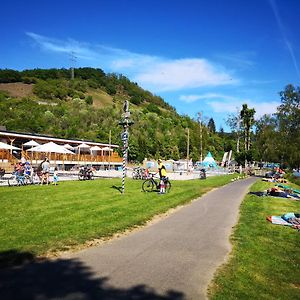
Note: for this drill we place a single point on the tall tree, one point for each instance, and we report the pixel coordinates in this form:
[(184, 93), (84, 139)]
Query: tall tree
[(211, 125), (234, 122), (267, 139), (247, 116), (288, 114)]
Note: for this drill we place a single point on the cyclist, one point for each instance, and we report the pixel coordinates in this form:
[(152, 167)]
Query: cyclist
[(162, 175)]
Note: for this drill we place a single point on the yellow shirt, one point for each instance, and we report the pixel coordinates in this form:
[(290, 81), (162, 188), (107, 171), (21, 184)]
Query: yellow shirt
[(162, 170)]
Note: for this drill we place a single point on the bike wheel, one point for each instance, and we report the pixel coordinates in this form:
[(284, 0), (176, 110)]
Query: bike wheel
[(167, 186), (148, 185), (3, 182), (28, 180), (12, 181), (81, 177)]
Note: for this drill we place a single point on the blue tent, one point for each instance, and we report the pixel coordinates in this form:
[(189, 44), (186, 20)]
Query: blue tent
[(209, 162)]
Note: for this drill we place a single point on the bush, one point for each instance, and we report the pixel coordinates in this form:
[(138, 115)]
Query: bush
[(29, 80), (8, 76), (89, 100)]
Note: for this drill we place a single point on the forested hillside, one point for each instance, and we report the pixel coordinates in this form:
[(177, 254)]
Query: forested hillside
[(90, 105)]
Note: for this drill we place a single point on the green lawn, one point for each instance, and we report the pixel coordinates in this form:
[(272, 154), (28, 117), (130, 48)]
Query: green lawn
[(265, 261), (43, 219)]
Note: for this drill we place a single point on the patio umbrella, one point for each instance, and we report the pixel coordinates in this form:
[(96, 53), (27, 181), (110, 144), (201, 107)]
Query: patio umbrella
[(8, 147), (83, 146), (68, 146), (31, 143), (50, 148), (95, 148), (107, 149)]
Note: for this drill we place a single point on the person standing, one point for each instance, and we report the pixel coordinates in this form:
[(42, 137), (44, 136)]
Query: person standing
[(55, 176), (162, 175), (45, 171)]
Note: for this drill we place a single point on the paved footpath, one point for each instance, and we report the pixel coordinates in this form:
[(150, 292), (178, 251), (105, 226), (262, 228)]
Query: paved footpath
[(174, 258)]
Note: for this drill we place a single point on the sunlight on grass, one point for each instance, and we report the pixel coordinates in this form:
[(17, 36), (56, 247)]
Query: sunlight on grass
[(39, 219), (265, 261)]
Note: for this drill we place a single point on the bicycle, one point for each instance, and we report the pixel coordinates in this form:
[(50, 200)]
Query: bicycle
[(139, 173), (86, 173), (20, 179), (3, 179), (151, 184)]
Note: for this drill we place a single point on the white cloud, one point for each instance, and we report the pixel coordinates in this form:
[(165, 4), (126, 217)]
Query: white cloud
[(184, 73), (193, 98), (284, 35), (151, 72), (261, 108), (49, 44)]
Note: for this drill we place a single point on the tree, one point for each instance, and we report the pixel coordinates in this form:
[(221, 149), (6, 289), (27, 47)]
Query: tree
[(211, 125), (267, 139), (288, 114), (234, 122), (7, 76), (247, 116)]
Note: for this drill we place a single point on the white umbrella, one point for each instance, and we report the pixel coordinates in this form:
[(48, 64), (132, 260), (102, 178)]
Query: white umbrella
[(95, 148), (31, 143), (107, 149), (8, 147), (67, 146), (51, 148), (83, 146)]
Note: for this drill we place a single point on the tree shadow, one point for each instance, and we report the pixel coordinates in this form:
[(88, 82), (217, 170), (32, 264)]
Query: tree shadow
[(119, 188), (259, 194), (14, 258), (68, 279)]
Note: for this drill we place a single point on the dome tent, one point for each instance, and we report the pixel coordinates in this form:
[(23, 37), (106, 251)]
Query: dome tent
[(209, 162)]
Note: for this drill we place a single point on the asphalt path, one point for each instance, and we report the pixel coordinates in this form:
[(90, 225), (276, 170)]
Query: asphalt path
[(174, 258)]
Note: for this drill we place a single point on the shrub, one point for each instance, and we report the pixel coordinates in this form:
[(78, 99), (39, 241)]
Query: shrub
[(89, 100)]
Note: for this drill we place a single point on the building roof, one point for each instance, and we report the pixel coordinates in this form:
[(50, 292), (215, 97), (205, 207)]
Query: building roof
[(40, 137)]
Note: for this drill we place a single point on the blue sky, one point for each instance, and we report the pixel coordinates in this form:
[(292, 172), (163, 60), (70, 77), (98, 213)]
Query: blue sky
[(209, 56)]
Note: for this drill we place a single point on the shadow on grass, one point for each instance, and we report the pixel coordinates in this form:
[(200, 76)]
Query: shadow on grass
[(118, 188), (68, 279), (14, 258), (259, 194)]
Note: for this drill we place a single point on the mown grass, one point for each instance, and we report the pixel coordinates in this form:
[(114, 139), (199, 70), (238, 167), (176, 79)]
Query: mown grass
[(265, 261), (41, 219)]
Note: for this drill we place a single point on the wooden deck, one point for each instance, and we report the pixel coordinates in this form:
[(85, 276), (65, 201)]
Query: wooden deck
[(36, 157)]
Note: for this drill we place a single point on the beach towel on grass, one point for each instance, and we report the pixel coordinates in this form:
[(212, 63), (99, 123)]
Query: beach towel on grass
[(286, 187), (278, 220), (288, 219)]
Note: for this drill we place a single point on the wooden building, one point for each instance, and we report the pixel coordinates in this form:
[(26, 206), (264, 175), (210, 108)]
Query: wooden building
[(100, 155)]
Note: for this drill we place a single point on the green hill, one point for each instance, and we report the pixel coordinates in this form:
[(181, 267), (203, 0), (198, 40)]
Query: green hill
[(90, 106)]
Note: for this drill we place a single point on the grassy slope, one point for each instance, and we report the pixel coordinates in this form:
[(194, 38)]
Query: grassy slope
[(265, 261), (38, 219), (17, 89), (100, 98)]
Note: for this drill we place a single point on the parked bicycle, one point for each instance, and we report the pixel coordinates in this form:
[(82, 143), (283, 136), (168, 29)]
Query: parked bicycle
[(150, 184), (86, 173), (139, 173), (3, 180), (18, 179), (202, 174)]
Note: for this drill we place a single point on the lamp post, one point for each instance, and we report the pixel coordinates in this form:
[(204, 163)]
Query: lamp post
[(125, 122)]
